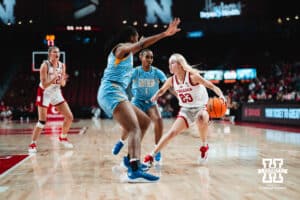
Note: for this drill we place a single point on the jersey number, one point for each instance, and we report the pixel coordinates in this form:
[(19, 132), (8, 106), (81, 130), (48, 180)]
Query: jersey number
[(186, 97)]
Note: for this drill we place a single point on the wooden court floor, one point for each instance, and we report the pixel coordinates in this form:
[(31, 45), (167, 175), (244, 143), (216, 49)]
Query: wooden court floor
[(234, 169)]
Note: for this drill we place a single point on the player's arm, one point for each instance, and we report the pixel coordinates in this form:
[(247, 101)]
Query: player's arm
[(147, 41), (196, 78), (44, 74), (162, 90), (172, 91), (64, 76), (163, 79)]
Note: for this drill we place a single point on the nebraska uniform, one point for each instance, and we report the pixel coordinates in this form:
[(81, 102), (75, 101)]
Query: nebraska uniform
[(192, 98), (52, 94)]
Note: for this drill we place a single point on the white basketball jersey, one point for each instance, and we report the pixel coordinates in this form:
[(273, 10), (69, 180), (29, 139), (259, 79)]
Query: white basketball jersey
[(59, 71), (190, 95)]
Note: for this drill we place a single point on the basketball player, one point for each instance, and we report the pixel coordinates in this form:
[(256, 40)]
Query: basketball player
[(145, 82), (113, 99), (52, 77), (192, 96)]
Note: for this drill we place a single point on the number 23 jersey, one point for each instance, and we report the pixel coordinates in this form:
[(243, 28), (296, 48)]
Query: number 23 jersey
[(190, 95)]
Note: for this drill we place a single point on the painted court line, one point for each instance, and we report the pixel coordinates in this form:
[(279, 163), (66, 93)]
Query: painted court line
[(15, 166)]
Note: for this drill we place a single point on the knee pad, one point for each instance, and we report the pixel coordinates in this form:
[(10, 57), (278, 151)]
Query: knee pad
[(40, 124)]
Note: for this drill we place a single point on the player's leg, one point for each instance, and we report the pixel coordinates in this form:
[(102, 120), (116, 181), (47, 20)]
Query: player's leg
[(178, 127), (144, 122), (155, 115), (143, 119), (202, 121), (126, 115), (65, 110), (42, 115)]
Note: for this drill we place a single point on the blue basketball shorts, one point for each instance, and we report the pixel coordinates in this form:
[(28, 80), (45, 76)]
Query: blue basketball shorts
[(144, 105), (110, 95)]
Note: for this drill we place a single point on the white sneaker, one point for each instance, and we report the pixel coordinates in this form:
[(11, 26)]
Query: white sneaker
[(66, 143)]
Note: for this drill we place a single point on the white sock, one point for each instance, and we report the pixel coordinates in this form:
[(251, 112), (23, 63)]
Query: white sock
[(33, 142), (152, 153), (133, 159), (122, 141), (204, 144)]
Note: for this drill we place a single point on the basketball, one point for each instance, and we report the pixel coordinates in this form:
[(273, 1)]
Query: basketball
[(216, 108)]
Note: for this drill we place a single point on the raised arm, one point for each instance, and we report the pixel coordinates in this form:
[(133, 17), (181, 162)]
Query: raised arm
[(162, 90), (147, 41)]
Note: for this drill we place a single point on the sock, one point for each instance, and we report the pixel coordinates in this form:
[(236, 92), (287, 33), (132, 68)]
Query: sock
[(134, 163), (152, 153), (33, 142), (62, 135), (122, 141), (204, 144)]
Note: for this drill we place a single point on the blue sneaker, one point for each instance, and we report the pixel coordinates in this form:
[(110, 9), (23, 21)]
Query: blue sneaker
[(126, 164), (140, 176), (144, 167), (157, 157), (117, 148)]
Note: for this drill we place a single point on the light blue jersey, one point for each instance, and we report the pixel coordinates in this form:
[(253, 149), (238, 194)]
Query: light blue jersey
[(119, 70), (144, 85), (115, 80)]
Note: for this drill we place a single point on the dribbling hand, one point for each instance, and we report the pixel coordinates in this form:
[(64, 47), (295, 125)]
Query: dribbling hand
[(223, 99)]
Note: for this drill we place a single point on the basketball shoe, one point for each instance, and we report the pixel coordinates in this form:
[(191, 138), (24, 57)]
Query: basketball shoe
[(32, 148), (126, 164), (65, 142), (204, 153), (158, 159), (139, 176), (148, 159), (117, 148)]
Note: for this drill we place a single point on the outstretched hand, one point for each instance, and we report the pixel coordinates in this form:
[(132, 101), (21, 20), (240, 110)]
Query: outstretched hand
[(172, 28)]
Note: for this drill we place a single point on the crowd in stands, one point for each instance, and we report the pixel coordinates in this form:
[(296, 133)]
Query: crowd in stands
[(281, 87)]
